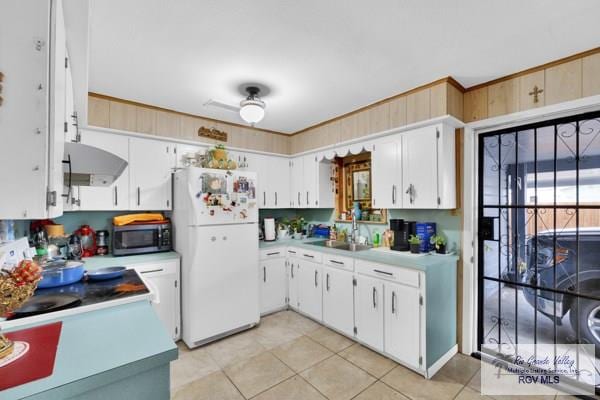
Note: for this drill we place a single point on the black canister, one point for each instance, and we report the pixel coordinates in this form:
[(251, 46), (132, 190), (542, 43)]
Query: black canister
[(102, 243)]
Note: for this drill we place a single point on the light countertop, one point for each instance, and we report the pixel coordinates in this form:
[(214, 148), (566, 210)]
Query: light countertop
[(94, 345), (96, 262), (425, 263)]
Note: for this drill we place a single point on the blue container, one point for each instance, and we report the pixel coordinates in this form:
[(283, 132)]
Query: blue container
[(425, 230), (62, 274)]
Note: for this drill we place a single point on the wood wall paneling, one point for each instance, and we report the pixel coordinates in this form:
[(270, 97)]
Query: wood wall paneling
[(455, 102), (334, 129), (418, 106), (145, 120), (591, 75), (563, 82), (476, 104), (349, 129), (526, 85), (98, 112), (168, 124), (122, 116), (379, 118), (503, 98), (362, 124), (438, 100), (398, 112)]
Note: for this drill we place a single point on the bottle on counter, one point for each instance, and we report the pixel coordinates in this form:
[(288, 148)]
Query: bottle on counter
[(333, 233)]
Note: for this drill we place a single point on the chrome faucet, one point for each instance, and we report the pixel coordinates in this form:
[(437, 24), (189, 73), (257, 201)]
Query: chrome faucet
[(354, 234)]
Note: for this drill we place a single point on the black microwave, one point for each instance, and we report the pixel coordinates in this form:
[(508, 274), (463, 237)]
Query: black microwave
[(142, 238)]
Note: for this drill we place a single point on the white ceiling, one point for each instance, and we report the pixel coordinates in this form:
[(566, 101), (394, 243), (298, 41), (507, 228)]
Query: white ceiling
[(320, 58)]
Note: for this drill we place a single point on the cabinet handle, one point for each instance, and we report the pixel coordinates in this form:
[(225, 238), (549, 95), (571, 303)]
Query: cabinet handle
[(327, 282), (151, 271), (273, 254), (383, 272), (336, 262), (393, 194), (264, 198), (116, 197), (264, 274), (138, 196), (308, 255), (275, 198), (393, 302), (298, 198), (291, 252), (374, 297), (307, 202), (315, 278), (292, 271)]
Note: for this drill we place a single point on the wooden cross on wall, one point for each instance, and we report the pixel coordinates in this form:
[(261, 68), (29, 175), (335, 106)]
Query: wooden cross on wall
[(536, 94)]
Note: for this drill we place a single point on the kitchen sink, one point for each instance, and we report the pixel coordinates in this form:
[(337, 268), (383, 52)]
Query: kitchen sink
[(336, 244)]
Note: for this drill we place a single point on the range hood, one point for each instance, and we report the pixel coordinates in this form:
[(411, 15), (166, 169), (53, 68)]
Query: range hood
[(90, 166)]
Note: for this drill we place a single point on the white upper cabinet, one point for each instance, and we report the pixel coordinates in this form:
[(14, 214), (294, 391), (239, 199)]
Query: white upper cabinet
[(310, 182), (297, 183), (415, 169), (150, 167), (386, 172), (419, 169), (115, 196), (32, 61), (278, 182)]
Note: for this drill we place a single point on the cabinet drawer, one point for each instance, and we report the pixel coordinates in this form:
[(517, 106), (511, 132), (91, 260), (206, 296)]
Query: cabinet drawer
[(332, 260), (294, 252), (397, 274), (310, 255), (277, 252)]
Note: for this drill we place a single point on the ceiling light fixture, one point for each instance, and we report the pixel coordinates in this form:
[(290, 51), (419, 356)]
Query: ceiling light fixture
[(252, 109)]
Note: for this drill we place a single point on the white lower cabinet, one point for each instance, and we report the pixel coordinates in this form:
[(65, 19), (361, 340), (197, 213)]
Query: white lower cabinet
[(310, 293), (293, 278), (338, 293), (273, 285), (402, 323), (368, 311), (163, 280)]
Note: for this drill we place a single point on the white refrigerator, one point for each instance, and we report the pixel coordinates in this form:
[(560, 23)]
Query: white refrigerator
[(215, 221)]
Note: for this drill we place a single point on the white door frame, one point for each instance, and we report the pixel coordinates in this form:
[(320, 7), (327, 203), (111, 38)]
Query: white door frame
[(470, 176)]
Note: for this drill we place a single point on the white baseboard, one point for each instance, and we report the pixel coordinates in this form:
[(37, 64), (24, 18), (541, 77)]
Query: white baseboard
[(431, 371)]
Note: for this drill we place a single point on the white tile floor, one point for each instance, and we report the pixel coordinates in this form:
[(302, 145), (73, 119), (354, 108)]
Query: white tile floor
[(289, 357)]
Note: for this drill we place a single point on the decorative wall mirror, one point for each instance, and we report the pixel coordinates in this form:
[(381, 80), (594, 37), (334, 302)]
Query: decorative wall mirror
[(353, 175)]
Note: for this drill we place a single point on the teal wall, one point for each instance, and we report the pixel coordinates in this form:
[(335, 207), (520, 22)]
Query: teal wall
[(446, 223)]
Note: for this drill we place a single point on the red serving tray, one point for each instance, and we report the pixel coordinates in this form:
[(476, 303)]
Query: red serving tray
[(38, 362)]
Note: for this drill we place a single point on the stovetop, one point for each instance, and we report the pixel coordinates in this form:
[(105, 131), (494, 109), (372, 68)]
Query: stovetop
[(89, 292)]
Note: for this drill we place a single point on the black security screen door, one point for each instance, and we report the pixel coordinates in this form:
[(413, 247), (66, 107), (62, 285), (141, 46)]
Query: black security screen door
[(539, 233)]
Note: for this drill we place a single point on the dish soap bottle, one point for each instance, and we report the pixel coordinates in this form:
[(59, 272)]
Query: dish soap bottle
[(333, 233)]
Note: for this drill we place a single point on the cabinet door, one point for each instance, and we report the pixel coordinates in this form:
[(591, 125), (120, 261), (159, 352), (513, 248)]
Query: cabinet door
[(384, 177), (297, 183), (278, 184), (293, 277), (338, 297), (164, 280), (368, 308), (273, 284), (260, 164), (419, 168), (310, 289), (310, 175), (150, 164), (115, 196), (403, 323)]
